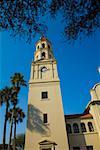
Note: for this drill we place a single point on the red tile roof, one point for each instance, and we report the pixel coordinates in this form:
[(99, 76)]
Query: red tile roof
[(43, 38), (81, 116)]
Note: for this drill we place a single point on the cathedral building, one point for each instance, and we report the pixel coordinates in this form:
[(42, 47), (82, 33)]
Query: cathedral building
[(47, 126), (83, 130)]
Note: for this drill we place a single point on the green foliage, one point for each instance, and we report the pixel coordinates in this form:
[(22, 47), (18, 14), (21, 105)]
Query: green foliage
[(9, 96), (81, 17), (16, 113), (22, 17), (5, 95), (17, 80)]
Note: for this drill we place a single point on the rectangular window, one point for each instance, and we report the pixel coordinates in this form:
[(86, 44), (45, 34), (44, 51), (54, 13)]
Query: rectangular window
[(76, 148), (44, 95), (45, 118), (89, 147)]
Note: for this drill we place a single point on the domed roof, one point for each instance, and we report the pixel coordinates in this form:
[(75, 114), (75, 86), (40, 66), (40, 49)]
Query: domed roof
[(96, 85), (42, 39)]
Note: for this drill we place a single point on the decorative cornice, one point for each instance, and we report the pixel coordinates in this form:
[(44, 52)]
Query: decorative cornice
[(91, 103), (43, 81)]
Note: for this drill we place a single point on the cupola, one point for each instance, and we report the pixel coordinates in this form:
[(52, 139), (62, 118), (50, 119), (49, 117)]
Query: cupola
[(43, 49)]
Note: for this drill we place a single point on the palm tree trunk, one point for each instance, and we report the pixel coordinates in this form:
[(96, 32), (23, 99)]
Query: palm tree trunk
[(15, 134), (5, 124), (11, 126)]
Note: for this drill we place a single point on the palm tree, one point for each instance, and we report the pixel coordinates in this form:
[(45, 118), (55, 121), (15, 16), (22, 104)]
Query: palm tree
[(17, 80), (10, 115), (10, 94), (1, 97), (10, 118), (15, 115), (5, 96), (19, 116)]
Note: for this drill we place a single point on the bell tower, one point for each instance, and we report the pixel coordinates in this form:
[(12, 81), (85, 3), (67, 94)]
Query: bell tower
[(45, 124), (44, 64), (43, 49)]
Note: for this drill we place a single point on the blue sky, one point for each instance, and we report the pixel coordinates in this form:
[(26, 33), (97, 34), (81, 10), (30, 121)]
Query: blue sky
[(77, 67)]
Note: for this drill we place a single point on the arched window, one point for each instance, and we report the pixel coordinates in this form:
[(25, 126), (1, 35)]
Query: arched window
[(38, 47), (90, 126), (49, 46), (83, 128), (75, 128), (43, 55), (68, 128), (43, 45)]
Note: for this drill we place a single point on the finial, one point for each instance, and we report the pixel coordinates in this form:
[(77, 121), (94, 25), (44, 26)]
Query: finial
[(43, 38)]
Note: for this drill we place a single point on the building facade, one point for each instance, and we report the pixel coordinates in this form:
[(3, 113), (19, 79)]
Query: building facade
[(84, 129), (47, 126)]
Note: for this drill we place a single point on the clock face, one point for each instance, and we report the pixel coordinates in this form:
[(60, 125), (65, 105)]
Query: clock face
[(44, 69)]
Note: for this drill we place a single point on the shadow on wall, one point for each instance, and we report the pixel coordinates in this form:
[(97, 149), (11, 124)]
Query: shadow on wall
[(35, 121)]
